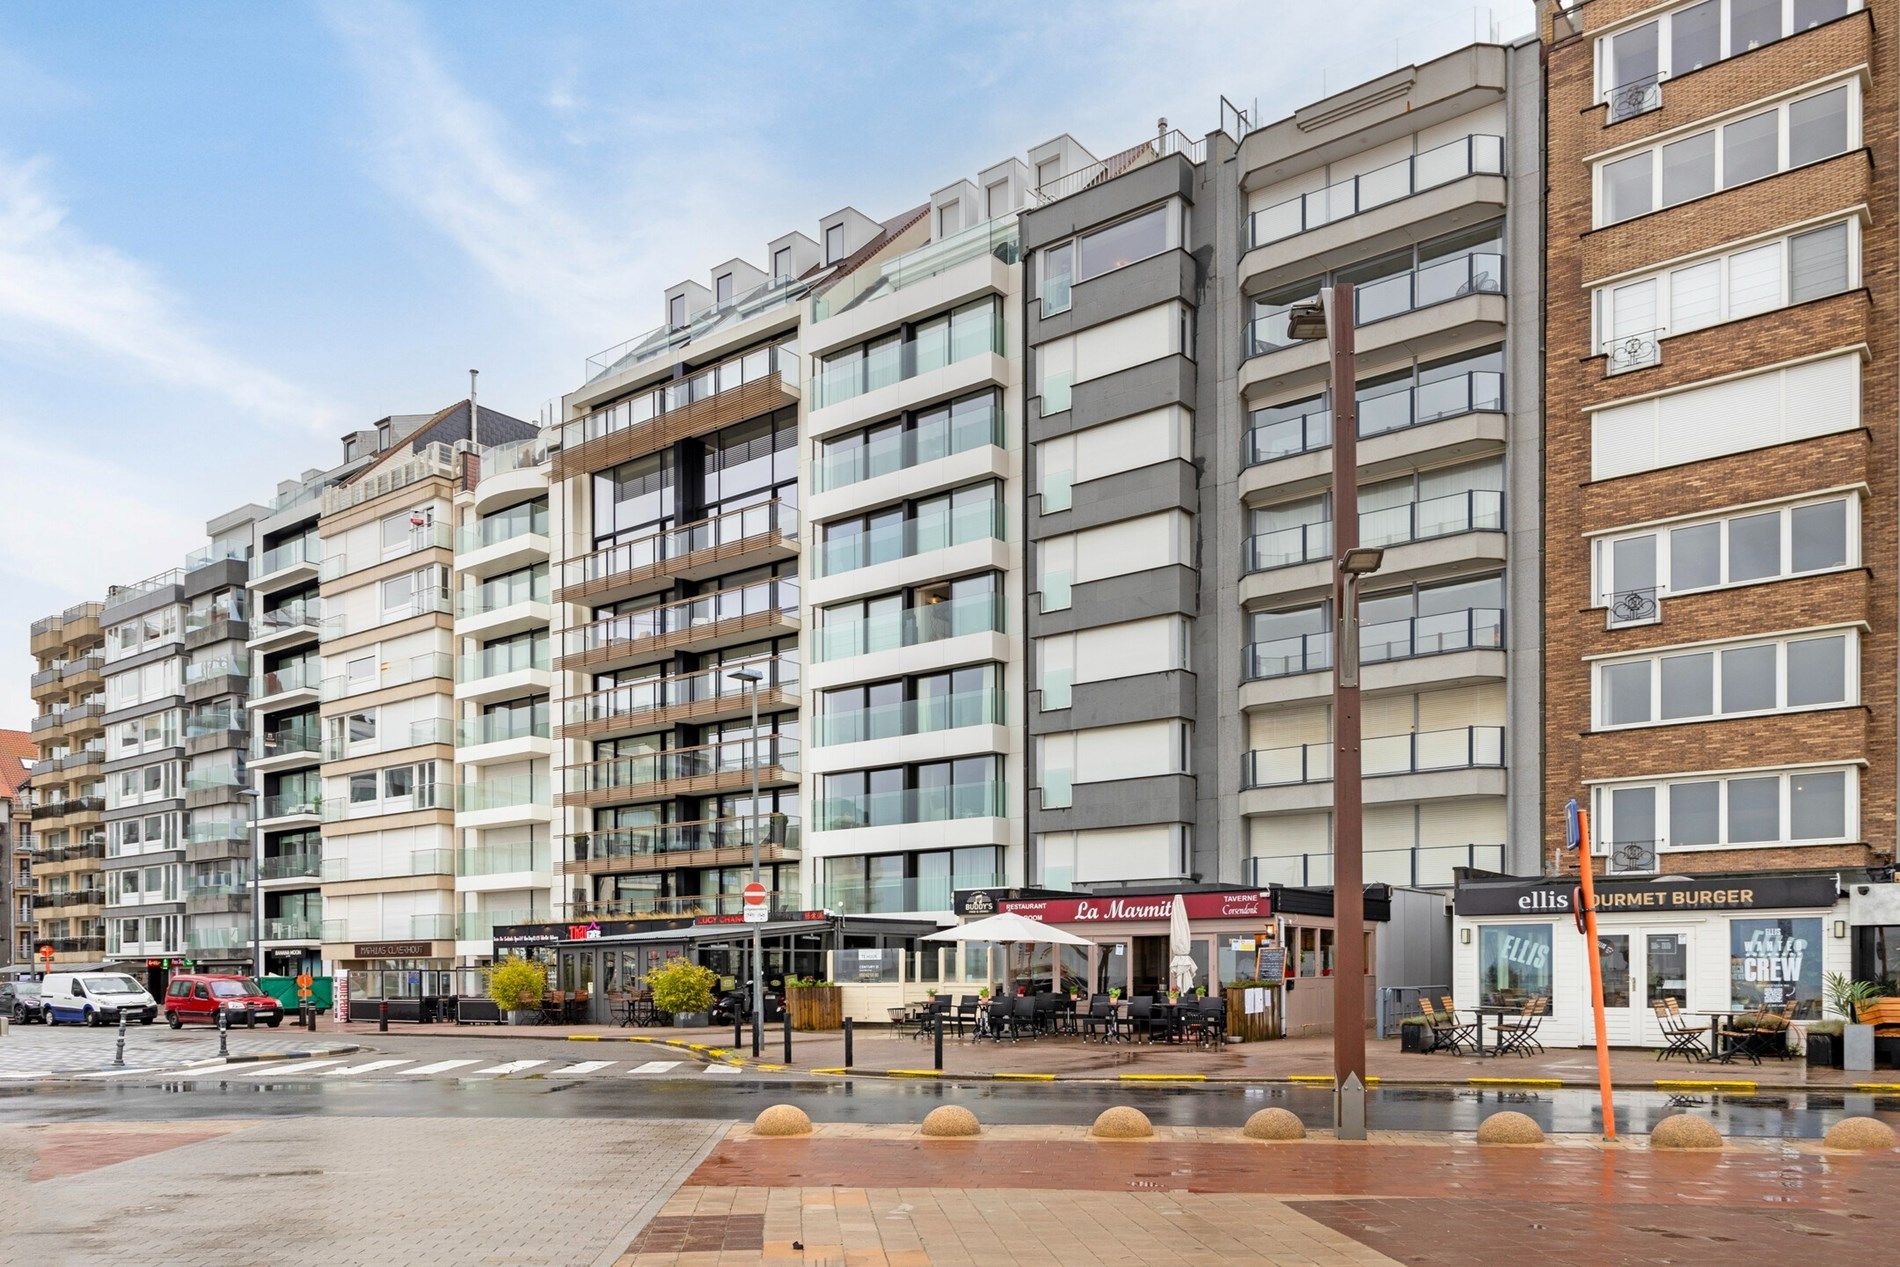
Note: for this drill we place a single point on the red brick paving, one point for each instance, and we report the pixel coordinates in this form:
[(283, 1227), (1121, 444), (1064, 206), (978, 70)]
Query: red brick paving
[(74, 1150)]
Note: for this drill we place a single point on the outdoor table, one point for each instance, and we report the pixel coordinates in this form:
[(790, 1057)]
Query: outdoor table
[(1720, 1054), (1479, 1053)]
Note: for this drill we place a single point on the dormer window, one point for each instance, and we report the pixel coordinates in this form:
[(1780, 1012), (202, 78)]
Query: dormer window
[(782, 264), (834, 244), (350, 449), (996, 200), (722, 288), (1047, 171), (949, 219), (676, 311)]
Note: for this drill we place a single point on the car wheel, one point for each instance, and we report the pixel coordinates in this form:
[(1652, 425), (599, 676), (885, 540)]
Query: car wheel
[(92, 1018), (147, 1020), (19, 1014), (275, 1021), (174, 1020)]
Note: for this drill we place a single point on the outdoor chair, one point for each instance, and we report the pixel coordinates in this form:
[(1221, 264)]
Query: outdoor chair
[(1679, 1037), (1044, 1011), (1733, 1039), (1206, 1023), (998, 1015), (1463, 1033), (1023, 1017), (1141, 1016), (1519, 1033), (1446, 1029), (965, 1013), (1100, 1018)]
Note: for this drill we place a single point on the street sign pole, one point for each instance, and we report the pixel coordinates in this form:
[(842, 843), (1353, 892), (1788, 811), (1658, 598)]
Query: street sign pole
[(758, 942), (1576, 832)]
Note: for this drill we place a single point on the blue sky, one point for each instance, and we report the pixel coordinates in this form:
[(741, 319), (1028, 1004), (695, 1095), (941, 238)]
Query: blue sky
[(229, 231)]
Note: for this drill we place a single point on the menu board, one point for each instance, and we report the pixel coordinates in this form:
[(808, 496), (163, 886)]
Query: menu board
[(1270, 962)]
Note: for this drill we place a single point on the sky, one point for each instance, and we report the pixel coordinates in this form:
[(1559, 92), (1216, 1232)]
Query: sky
[(231, 232)]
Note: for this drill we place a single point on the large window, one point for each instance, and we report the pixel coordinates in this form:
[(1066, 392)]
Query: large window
[(911, 440), (1745, 549), (1775, 963), (751, 462), (1798, 807), (1786, 675), (1513, 964), (1774, 139), (910, 528), (1701, 34), (633, 497)]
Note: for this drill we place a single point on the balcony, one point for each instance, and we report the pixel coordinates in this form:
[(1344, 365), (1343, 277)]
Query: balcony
[(295, 562), (706, 548), (430, 664), (998, 238), (212, 778), (704, 843), (914, 626), (908, 538), (427, 535), (913, 805), (88, 944), (504, 606), (526, 521), (290, 684), (502, 736), (72, 806), (1468, 629), (200, 939), (891, 897), (217, 831), (1475, 510), (1628, 352), (288, 624), (288, 809), (890, 363), (1380, 413), (293, 745), (416, 862), (426, 796), (502, 671), (764, 609), (1429, 286), (1468, 156), (1420, 867), (893, 451), (500, 802), (683, 906), (302, 865), (78, 623), (293, 928), (706, 770), (708, 695), (218, 895), (658, 342), (522, 857), (216, 672), (1460, 748), (908, 717), (1637, 97), (434, 460), (428, 603), (71, 671), (68, 898), (729, 391)]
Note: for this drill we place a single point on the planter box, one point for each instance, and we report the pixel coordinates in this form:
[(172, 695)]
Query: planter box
[(1824, 1051), (1416, 1038), (1258, 1027), (815, 1008)]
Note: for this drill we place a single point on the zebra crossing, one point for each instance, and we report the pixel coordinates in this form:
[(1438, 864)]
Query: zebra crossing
[(401, 1069)]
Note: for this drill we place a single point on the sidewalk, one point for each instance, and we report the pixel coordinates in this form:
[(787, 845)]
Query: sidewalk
[(879, 1052)]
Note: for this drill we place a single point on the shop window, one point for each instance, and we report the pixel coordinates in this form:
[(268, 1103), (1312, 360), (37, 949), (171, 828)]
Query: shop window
[(1774, 963), (1513, 964)]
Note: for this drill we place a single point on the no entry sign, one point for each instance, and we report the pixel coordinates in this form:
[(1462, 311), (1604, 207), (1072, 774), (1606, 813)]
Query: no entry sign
[(755, 907)]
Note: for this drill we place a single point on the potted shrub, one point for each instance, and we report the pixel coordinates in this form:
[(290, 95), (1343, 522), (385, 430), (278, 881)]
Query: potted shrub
[(1857, 1040), (684, 990), (1200, 991), (516, 986), (1115, 993), (983, 993), (1415, 1034)]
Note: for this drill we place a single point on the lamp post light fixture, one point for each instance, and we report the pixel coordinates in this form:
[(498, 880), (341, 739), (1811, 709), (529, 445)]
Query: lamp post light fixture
[(752, 678), (1330, 318)]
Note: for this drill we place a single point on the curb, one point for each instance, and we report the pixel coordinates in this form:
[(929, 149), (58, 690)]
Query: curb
[(343, 1050)]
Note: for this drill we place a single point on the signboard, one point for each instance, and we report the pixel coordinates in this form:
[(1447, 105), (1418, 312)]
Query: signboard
[(340, 1009), (393, 949), (1247, 904), (804, 916), (1713, 893), (1270, 963), (756, 911)]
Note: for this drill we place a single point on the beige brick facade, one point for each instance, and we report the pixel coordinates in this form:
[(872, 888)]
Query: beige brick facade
[(1865, 459)]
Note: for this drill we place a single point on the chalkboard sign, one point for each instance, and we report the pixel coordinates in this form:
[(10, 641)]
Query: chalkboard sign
[(1270, 963)]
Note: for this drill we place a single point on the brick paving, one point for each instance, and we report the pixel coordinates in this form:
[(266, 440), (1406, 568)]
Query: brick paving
[(39, 1049)]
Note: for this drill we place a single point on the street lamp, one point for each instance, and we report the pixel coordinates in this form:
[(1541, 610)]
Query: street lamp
[(752, 678), (1330, 317), (254, 796)]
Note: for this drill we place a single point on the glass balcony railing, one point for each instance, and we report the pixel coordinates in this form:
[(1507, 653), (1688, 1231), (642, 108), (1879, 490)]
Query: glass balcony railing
[(907, 538), (772, 519), (756, 599), (501, 727), (592, 849), (1422, 866), (1467, 629), (674, 906), (427, 535), (415, 862), (658, 342), (305, 615), (431, 664), (998, 238), (957, 430), (303, 865), (912, 893), (527, 520), (293, 805), (295, 553), (1472, 155), (286, 741), (422, 796), (205, 556), (298, 675), (220, 666), (734, 756), (952, 618), (205, 833), (909, 717), (1477, 510), (1478, 273), (200, 938), (481, 925), (218, 884), (199, 619), (643, 408), (681, 689), (293, 928), (913, 805), (477, 860), (1459, 748), (978, 334), (502, 793), (1275, 434), (493, 596), (509, 657), (217, 776)]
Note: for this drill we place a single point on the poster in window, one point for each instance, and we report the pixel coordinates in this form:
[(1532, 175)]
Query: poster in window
[(1513, 964), (1775, 962)]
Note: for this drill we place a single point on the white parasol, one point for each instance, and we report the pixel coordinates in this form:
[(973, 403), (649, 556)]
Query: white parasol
[(1008, 929), (1181, 966)]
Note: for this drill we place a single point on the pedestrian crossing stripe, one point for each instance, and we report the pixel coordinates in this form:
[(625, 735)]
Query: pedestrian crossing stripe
[(351, 1071), (303, 1066), (656, 1066), (585, 1066), (512, 1066), (118, 1073), (35, 1073), (723, 1069), (440, 1066)]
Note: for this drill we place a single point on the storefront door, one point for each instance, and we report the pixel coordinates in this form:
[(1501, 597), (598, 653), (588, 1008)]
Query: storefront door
[(1641, 967)]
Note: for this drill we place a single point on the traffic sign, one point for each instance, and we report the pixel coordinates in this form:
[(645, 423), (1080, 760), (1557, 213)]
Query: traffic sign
[(305, 980), (755, 906)]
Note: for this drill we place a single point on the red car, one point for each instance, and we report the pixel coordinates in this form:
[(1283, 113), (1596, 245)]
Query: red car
[(199, 996)]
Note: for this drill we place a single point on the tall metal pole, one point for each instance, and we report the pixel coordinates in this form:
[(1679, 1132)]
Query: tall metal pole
[(255, 797), (1349, 914), (758, 944)]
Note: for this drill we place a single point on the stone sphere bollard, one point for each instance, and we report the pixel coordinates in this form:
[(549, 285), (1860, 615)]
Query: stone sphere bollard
[(1274, 1124), (1685, 1130), (782, 1119), (1862, 1134), (1509, 1128), (948, 1121), (1122, 1122)]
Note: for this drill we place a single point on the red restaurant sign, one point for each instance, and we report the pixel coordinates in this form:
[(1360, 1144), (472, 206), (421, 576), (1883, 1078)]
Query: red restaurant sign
[(1256, 904)]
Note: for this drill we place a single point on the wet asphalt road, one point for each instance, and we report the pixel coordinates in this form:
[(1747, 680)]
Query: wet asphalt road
[(1789, 1115)]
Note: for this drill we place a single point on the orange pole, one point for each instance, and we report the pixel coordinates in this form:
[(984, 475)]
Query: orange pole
[(1596, 970)]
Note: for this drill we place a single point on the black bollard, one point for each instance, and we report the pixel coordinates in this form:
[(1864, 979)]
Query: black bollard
[(382, 1016), (938, 1017), (788, 1035), (847, 1042), (738, 1031)]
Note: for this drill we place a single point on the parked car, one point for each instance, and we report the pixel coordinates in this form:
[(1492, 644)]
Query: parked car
[(95, 998), (21, 1001), (200, 996)]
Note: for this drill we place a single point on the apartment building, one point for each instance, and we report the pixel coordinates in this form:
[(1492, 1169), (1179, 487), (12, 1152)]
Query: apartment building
[(911, 462), (17, 925), (676, 551), (385, 804), (69, 783), (504, 745)]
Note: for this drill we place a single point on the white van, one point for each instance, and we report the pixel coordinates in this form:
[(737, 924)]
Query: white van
[(95, 998)]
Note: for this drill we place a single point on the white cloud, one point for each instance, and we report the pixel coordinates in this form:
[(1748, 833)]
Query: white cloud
[(63, 294)]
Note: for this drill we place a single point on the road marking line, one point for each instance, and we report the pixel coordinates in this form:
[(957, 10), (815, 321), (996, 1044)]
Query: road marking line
[(575, 1071), (656, 1066), (119, 1073), (36, 1073), (1325, 1078), (1515, 1082), (582, 1038), (1878, 1087), (914, 1073), (440, 1066), (300, 1067), (722, 1069), (1699, 1084), (351, 1071), (1163, 1077), (512, 1066), (1003, 1077)]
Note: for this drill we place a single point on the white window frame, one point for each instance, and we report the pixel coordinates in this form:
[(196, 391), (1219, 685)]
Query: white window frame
[(1603, 827), (1779, 105), (1850, 680), (1602, 296), (1665, 42), (1603, 579)]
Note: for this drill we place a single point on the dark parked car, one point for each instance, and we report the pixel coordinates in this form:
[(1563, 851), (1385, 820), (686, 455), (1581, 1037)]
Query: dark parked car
[(21, 1001)]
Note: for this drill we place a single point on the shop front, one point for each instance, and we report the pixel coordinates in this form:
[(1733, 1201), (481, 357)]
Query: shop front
[(1716, 944)]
